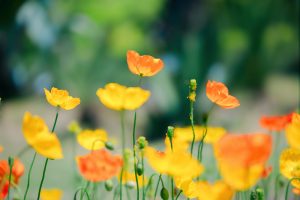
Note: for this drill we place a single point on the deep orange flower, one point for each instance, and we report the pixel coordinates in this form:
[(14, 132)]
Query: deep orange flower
[(144, 65), (99, 165), (17, 172), (218, 93), (275, 123), (244, 150)]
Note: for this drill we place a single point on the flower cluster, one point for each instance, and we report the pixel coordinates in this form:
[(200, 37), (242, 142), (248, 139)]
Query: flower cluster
[(242, 160)]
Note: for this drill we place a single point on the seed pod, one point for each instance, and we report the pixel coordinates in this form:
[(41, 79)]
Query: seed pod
[(164, 194)]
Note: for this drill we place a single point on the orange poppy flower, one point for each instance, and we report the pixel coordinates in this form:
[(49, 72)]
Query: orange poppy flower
[(244, 150), (99, 165), (241, 158), (17, 172), (275, 123), (144, 65), (218, 93)]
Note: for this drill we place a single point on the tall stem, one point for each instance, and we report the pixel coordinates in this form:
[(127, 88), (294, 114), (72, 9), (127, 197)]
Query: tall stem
[(123, 150), (192, 123), (47, 159), (29, 174), (11, 164), (144, 194), (134, 157), (288, 185), (157, 185)]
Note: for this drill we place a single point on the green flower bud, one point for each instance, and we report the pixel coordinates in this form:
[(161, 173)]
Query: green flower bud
[(193, 84), (260, 194), (139, 169), (10, 161), (164, 194), (142, 142), (109, 146), (109, 185), (170, 132)]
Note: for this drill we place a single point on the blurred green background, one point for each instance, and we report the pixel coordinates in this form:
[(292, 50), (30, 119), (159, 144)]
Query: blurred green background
[(251, 45)]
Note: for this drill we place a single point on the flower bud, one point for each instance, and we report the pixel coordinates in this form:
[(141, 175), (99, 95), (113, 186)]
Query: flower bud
[(192, 91), (260, 194), (142, 142), (164, 194), (10, 161), (170, 132), (109, 185), (109, 146), (139, 169)]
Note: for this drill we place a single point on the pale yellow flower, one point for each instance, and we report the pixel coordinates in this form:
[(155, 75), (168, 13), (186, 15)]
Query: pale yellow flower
[(119, 97), (61, 98), (92, 139), (203, 190), (176, 164), (213, 134), (51, 194), (290, 165), (292, 132), (37, 135)]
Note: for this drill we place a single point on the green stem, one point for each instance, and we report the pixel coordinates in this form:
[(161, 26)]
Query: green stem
[(192, 123), (134, 157), (276, 186), (156, 189), (47, 159), (85, 189), (149, 183), (9, 179), (178, 194), (288, 185), (144, 194), (29, 174), (172, 188), (84, 192), (123, 150)]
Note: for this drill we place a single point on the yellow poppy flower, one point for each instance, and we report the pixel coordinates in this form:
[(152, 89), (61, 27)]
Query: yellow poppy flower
[(92, 139), (1, 149), (290, 165), (119, 97), (213, 134), (240, 178), (129, 178), (37, 135), (61, 98), (203, 190), (176, 164), (51, 194), (292, 132)]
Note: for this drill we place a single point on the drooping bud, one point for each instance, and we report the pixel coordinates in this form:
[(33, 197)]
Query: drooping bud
[(109, 185), (109, 146), (10, 162), (164, 194), (142, 142), (139, 169)]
